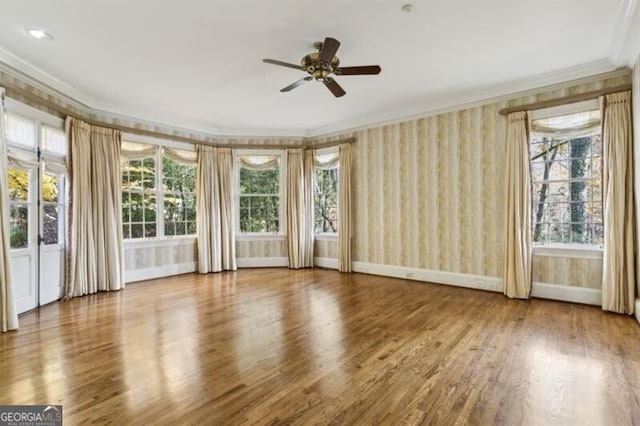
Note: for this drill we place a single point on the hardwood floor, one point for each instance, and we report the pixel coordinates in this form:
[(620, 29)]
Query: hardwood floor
[(275, 346)]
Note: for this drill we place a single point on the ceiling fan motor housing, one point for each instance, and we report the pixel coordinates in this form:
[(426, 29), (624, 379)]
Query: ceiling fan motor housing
[(318, 69)]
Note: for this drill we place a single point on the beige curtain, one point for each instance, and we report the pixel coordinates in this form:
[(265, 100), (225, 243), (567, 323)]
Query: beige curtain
[(94, 240), (344, 209), (295, 207), (517, 233), (8, 312), (215, 210), (309, 178), (618, 271)]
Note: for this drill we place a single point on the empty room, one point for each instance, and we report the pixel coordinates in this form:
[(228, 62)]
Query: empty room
[(342, 212)]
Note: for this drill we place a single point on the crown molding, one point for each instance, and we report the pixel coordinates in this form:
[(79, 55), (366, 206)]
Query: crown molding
[(625, 43), (40, 79), (491, 94), (34, 76)]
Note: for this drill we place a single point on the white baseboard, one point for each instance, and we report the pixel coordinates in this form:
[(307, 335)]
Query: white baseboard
[(262, 262), (541, 290), (638, 310), (325, 262), (439, 277), (158, 272), (565, 293)]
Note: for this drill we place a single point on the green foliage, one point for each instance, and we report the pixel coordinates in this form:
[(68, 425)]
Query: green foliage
[(326, 201), (140, 204), (260, 200)]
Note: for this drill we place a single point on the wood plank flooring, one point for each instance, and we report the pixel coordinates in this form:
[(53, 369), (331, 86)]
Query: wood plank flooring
[(276, 346)]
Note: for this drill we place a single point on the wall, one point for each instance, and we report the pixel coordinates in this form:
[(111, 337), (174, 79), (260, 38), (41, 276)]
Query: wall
[(437, 187), (636, 151)]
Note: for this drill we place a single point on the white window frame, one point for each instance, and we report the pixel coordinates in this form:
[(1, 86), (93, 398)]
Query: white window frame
[(573, 250), (282, 165), (158, 144)]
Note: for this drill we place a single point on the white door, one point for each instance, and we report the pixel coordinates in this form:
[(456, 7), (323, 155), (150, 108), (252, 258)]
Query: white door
[(52, 253), (36, 177), (23, 200)]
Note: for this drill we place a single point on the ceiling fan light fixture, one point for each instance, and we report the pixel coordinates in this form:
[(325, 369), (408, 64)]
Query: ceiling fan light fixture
[(39, 34)]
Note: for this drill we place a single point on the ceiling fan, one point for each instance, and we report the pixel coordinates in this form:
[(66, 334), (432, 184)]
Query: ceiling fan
[(321, 65)]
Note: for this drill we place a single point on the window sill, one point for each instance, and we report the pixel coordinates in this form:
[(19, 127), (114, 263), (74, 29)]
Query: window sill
[(154, 242), (568, 250), (260, 237)]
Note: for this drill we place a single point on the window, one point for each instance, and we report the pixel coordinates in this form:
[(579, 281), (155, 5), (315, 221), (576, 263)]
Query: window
[(139, 198), (157, 201), (326, 201), (19, 206), (52, 208), (566, 169), (325, 191), (179, 198), (260, 194)]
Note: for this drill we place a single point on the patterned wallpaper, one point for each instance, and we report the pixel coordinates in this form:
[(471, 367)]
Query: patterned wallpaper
[(636, 129), (569, 271), (325, 248), (262, 248), (428, 193), (159, 255)]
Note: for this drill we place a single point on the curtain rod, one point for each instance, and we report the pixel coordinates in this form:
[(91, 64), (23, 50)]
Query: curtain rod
[(63, 112), (567, 99)]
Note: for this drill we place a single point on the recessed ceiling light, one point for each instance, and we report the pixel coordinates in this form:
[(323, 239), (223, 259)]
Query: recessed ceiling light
[(39, 34)]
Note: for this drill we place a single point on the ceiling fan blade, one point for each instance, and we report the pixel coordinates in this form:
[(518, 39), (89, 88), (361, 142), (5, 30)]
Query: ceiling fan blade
[(296, 84), (334, 87), (329, 49), (283, 64), (362, 70)]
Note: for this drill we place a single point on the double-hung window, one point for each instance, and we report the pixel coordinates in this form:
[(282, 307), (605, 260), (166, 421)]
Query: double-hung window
[(158, 191), (326, 192), (261, 192), (566, 170)]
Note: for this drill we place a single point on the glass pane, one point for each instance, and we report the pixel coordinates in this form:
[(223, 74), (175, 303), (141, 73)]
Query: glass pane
[(19, 227), (191, 228), (180, 228), (150, 230), (55, 141), (137, 230), (49, 188), (149, 209), (125, 212), (126, 231), (18, 185), (169, 228), (50, 224), (21, 130)]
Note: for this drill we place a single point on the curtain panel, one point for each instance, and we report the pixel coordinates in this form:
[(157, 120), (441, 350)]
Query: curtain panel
[(215, 210), (618, 269), (344, 209), (517, 243), (8, 311), (94, 238), (296, 215), (309, 190)]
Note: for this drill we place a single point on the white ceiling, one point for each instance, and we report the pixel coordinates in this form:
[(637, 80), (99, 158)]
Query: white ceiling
[(198, 64)]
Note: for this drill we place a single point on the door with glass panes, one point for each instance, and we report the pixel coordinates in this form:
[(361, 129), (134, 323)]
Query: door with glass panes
[(36, 178)]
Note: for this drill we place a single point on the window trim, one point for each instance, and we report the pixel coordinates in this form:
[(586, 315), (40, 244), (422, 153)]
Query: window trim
[(282, 164), (555, 249), (326, 236), (159, 193)]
